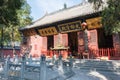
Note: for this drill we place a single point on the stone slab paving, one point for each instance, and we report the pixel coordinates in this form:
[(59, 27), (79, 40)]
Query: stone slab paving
[(94, 75), (87, 75)]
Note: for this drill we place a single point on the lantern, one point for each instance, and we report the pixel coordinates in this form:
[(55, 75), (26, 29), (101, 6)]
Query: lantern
[(84, 25)]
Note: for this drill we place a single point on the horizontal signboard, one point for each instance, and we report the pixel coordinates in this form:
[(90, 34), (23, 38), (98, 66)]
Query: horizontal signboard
[(69, 27), (48, 31), (94, 23)]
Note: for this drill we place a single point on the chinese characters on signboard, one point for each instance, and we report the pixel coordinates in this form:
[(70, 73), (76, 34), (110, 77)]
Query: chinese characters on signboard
[(48, 31), (94, 23), (69, 27)]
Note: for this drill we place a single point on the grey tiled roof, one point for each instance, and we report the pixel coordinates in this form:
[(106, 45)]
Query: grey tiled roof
[(72, 12)]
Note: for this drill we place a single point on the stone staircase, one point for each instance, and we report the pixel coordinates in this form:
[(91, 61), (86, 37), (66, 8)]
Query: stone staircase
[(98, 65)]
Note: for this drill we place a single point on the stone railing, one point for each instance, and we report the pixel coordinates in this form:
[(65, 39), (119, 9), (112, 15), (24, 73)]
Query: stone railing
[(27, 69)]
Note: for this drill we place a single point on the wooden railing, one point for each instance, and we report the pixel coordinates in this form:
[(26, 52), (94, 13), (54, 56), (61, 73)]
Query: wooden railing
[(109, 53), (48, 53), (105, 52)]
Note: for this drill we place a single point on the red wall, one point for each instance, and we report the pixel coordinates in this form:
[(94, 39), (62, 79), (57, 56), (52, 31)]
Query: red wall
[(93, 39), (7, 52), (37, 43)]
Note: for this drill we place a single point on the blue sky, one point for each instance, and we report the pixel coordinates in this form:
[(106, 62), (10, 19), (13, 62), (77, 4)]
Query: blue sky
[(40, 7)]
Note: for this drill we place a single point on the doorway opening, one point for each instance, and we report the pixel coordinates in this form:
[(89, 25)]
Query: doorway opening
[(50, 42), (104, 41), (73, 43)]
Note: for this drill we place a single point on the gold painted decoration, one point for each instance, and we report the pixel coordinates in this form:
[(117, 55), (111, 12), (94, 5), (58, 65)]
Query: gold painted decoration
[(48, 31), (29, 32), (94, 23), (69, 27)]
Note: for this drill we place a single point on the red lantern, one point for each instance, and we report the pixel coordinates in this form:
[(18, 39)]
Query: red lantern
[(84, 24)]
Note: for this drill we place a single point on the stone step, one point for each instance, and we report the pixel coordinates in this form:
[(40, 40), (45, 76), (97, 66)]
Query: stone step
[(97, 62), (109, 63), (98, 69), (96, 66), (94, 60), (105, 66)]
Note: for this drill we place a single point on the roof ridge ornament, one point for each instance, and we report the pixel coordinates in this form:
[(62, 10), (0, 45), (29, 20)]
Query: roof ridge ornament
[(65, 6)]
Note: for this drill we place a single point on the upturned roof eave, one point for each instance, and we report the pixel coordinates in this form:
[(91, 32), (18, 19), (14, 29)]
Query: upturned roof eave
[(57, 21), (42, 21)]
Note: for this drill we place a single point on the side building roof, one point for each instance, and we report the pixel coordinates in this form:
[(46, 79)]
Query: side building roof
[(82, 9)]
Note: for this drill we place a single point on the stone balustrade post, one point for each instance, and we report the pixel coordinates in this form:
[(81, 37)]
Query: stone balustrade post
[(60, 64), (71, 61), (54, 59), (43, 68), (16, 61), (30, 59), (22, 68), (6, 67)]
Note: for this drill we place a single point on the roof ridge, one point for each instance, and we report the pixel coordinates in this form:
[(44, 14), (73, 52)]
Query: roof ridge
[(40, 18), (81, 9), (60, 10), (80, 4)]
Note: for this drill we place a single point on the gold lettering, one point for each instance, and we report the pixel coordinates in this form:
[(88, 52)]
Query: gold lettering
[(63, 28), (94, 22), (77, 26), (72, 27), (47, 31), (67, 27)]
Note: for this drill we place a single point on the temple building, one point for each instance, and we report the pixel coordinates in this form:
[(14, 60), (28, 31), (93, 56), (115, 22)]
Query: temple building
[(75, 31)]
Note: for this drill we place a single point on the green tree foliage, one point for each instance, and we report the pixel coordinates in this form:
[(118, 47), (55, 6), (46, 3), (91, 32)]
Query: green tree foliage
[(14, 14), (8, 12), (97, 3), (110, 15)]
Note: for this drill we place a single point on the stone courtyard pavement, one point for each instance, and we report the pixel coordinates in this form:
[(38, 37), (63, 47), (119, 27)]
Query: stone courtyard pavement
[(80, 74), (89, 75), (94, 75)]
